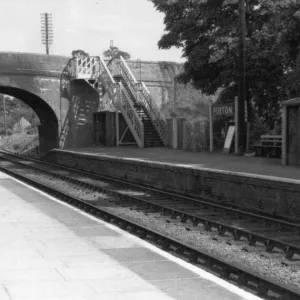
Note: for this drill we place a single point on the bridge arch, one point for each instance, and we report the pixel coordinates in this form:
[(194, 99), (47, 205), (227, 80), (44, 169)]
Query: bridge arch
[(49, 128)]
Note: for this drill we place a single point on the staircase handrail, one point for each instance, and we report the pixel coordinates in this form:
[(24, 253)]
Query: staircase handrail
[(128, 76), (103, 65), (130, 114), (63, 132), (108, 81), (70, 67), (160, 124), (67, 73), (143, 95), (123, 102)]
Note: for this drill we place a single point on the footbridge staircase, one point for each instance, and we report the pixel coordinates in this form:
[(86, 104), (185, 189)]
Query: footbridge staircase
[(117, 84)]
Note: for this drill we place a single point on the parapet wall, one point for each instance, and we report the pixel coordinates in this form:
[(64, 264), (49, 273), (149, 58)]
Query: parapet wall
[(15, 62)]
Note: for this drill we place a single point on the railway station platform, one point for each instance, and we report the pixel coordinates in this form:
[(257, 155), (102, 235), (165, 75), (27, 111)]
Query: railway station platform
[(50, 250), (199, 160), (255, 183)]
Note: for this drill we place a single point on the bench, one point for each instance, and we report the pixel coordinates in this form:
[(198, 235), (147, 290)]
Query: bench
[(268, 145)]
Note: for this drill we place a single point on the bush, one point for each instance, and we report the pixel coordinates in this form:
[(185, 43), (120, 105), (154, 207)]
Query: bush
[(18, 142), (257, 129)]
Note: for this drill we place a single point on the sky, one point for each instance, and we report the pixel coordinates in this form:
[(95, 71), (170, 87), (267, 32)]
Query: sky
[(134, 26)]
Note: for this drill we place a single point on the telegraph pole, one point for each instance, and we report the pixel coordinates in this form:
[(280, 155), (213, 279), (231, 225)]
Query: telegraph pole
[(46, 30), (240, 133)]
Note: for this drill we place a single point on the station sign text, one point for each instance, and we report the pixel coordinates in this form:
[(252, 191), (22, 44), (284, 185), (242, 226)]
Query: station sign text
[(223, 110)]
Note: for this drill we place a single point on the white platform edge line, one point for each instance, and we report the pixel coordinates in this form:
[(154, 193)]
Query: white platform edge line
[(204, 274)]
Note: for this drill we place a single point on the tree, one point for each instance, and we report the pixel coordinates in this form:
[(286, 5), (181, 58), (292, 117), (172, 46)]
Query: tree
[(207, 32), (79, 53), (115, 53), (15, 110)]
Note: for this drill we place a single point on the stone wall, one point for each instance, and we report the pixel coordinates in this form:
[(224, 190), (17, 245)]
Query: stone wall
[(258, 193)]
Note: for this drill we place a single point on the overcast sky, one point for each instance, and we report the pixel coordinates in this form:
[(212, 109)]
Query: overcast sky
[(134, 26)]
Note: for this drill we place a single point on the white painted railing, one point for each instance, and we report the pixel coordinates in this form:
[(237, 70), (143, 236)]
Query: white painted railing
[(132, 118), (108, 81), (122, 101), (87, 67)]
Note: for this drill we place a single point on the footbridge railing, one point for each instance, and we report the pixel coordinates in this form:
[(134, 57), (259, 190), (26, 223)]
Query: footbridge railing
[(142, 95)]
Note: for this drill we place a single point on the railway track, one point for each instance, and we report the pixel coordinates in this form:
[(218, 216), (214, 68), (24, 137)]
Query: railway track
[(241, 225), (260, 229)]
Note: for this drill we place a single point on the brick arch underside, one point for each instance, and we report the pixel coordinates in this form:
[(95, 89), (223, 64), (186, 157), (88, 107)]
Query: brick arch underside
[(48, 130)]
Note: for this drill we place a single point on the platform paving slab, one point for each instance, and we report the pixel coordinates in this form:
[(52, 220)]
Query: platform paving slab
[(46, 256)]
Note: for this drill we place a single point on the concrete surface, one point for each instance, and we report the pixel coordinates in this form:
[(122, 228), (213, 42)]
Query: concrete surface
[(51, 251), (219, 161)]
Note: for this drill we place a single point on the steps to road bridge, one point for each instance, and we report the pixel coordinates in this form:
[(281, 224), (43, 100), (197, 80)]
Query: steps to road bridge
[(125, 94)]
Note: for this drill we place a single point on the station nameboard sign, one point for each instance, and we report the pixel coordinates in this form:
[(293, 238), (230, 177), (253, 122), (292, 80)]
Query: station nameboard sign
[(223, 110)]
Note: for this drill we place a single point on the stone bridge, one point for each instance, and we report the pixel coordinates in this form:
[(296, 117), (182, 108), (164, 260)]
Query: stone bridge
[(35, 79)]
